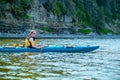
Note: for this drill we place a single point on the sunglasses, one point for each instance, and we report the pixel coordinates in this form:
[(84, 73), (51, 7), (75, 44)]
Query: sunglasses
[(34, 33)]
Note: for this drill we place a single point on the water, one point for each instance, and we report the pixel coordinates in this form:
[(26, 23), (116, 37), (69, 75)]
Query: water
[(101, 64)]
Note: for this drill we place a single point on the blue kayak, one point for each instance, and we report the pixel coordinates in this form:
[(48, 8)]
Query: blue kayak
[(50, 49)]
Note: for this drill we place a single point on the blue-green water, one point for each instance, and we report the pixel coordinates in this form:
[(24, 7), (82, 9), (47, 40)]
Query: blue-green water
[(101, 64)]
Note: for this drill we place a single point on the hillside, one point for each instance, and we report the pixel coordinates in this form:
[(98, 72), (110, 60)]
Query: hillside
[(60, 16)]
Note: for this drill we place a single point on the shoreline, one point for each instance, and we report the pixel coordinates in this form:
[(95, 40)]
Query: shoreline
[(61, 36)]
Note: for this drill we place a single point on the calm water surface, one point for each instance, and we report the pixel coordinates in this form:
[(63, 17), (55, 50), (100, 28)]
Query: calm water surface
[(101, 64)]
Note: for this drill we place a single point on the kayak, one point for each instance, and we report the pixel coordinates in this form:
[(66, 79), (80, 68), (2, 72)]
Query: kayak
[(49, 49)]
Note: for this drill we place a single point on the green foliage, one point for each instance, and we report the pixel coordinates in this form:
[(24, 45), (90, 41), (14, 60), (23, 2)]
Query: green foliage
[(56, 8), (24, 2), (71, 10), (25, 16), (45, 29), (83, 12), (84, 31), (82, 18), (104, 31), (17, 7), (118, 16)]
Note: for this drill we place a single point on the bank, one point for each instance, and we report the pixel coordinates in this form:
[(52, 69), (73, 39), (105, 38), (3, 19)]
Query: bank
[(58, 36)]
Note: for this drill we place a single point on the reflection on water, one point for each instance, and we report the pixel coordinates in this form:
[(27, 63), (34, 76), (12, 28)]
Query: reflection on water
[(102, 64)]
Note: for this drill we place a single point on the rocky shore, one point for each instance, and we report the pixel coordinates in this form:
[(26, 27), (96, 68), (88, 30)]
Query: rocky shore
[(57, 36), (55, 18)]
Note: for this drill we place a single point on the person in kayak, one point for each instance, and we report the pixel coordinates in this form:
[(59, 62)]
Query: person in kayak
[(30, 41)]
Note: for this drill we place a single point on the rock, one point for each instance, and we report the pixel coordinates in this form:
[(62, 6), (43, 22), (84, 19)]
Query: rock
[(92, 34)]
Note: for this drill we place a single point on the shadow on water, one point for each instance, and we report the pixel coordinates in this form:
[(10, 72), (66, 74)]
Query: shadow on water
[(14, 66), (28, 65)]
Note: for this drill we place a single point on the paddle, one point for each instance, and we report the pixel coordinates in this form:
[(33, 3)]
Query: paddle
[(19, 45)]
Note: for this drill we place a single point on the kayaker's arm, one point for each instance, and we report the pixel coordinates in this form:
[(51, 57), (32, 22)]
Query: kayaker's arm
[(34, 46), (32, 43)]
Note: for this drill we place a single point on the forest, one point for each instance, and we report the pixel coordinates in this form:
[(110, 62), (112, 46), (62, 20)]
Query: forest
[(101, 16)]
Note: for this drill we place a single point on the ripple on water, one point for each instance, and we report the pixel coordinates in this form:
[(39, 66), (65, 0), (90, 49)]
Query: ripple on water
[(102, 64)]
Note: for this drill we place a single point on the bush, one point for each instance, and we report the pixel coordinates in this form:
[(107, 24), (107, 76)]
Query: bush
[(105, 31), (45, 29), (84, 31)]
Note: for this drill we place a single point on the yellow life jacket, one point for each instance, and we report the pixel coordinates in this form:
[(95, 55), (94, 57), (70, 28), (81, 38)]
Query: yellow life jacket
[(28, 43)]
